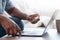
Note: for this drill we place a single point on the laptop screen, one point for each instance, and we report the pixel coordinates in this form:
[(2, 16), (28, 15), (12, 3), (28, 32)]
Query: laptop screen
[(51, 21)]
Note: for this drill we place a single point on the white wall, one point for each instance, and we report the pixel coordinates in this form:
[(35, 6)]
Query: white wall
[(44, 7)]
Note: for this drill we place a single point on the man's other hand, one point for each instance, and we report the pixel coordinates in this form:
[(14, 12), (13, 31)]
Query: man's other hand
[(33, 18), (10, 27)]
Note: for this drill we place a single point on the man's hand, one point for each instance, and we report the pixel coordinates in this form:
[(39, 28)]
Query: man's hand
[(10, 27), (33, 19)]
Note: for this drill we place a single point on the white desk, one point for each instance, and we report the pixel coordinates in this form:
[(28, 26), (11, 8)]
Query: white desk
[(51, 35)]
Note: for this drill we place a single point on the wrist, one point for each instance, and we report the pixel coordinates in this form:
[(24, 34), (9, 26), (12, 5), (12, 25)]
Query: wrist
[(1, 18), (28, 18)]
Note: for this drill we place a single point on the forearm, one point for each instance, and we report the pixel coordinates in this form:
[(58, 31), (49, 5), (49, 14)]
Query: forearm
[(16, 13)]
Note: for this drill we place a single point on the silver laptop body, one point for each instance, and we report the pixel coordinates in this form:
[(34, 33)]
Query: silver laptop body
[(38, 32)]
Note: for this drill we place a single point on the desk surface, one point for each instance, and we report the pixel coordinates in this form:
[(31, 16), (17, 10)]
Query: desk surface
[(51, 35)]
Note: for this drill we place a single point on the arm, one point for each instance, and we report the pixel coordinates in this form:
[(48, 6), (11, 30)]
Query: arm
[(16, 13)]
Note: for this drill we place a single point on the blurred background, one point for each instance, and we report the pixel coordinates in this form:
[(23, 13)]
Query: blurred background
[(45, 8)]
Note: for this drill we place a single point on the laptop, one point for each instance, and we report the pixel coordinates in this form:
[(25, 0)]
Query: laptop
[(39, 32)]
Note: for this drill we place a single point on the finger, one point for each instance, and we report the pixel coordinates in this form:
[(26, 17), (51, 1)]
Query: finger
[(38, 19), (9, 31), (19, 33), (18, 30), (14, 32), (35, 21), (34, 15)]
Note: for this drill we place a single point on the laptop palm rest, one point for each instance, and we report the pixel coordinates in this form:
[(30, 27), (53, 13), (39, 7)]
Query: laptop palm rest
[(33, 32)]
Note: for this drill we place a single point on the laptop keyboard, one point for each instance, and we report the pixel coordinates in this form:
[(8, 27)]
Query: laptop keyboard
[(33, 31)]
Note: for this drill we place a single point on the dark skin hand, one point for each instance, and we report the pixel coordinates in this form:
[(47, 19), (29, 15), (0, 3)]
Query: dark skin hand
[(11, 27), (32, 18)]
